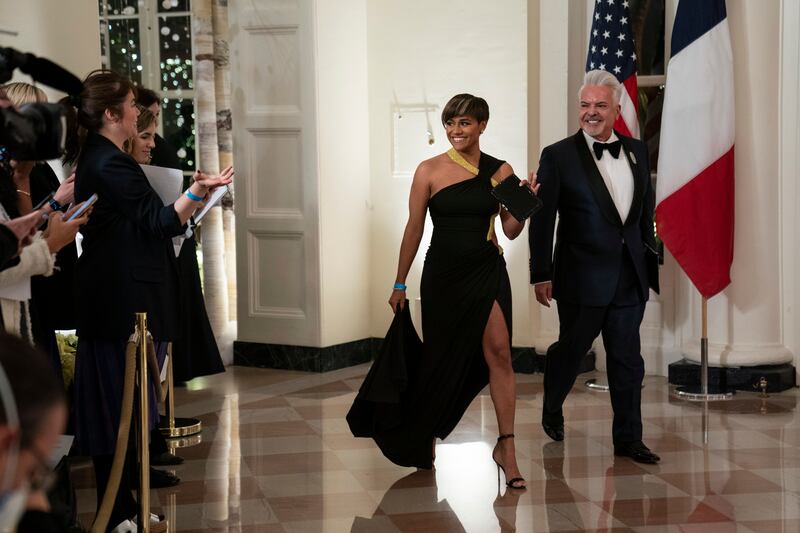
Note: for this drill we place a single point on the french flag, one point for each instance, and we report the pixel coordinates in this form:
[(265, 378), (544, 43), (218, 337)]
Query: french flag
[(695, 186)]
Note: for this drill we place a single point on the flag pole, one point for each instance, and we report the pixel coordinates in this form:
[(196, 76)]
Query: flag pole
[(701, 393), (704, 347)]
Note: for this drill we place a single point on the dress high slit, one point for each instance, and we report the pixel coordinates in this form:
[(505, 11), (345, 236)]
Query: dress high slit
[(464, 274)]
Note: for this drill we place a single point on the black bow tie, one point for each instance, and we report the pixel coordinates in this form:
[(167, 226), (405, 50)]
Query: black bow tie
[(613, 149)]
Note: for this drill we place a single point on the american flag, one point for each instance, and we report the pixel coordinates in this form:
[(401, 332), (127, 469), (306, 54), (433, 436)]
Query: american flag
[(611, 48)]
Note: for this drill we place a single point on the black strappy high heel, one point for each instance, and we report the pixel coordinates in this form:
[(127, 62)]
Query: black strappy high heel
[(510, 483)]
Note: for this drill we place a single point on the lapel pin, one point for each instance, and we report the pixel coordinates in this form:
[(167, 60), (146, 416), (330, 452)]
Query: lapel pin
[(633, 158)]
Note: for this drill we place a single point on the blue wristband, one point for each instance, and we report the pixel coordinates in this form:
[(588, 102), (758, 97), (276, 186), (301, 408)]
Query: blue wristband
[(399, 286), (193, 197)]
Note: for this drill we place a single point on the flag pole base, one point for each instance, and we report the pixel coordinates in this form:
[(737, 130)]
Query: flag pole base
[(595, 384), (598, 384)]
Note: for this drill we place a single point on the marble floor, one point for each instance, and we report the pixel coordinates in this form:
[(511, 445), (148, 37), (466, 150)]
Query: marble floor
[(276, 455)]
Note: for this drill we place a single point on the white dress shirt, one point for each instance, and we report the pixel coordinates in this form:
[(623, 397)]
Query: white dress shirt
[(616, 173)]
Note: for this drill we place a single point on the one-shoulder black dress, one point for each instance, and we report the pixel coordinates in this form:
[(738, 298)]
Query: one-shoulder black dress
[(464, 274)]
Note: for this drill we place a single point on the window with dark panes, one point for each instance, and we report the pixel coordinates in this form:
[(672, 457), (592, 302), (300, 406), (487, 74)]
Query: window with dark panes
[(150, 41), (648, 22), (648, 18)]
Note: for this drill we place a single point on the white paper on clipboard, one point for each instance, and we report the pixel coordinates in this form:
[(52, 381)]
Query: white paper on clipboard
[(167, 182), (216, 196)]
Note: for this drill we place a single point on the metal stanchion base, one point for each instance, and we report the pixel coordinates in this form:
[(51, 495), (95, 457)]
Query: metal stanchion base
[(183, 427), (596, 384), (184, 442), (695, 394)]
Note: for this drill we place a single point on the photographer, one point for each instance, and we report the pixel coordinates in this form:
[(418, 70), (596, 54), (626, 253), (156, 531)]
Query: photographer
[(18, 233), (30, 182), (32, 417), (34, 133)]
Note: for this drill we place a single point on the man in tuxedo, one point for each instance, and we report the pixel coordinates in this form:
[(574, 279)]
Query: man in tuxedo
[(598, 182)]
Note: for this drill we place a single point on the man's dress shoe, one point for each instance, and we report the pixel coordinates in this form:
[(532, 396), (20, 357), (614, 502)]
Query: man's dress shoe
[(554, 432), (636, 451)]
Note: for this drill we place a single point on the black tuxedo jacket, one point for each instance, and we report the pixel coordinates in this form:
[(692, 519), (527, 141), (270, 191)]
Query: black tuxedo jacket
[(128, 263), (591, 238)]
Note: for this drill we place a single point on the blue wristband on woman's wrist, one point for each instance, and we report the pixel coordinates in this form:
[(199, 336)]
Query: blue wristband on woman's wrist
[(399, 287), (193, 197)]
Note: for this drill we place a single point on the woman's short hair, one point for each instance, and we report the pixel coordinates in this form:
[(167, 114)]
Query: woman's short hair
[(20, 93), (602, 78), (102, 89), (466, 104), (34, 383)]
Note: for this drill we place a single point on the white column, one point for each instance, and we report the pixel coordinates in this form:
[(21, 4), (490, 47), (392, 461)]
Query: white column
[(550, 45), (343, 163)]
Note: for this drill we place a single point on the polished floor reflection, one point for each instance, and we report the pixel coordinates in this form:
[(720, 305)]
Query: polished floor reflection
[(276, 455)]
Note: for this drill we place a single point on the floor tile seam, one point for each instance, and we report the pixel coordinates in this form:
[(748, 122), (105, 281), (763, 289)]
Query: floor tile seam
[(279, 389), (581, 525)]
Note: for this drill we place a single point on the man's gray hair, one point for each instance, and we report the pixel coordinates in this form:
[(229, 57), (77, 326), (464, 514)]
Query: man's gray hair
[(602, 78)]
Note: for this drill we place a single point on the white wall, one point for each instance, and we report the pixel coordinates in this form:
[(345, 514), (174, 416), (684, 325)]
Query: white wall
[(343, 173), (789, 170), (65, 32), (424, 53)]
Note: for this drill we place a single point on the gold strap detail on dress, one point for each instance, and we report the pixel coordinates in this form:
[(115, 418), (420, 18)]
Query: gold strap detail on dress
[(459, 160), (491, 228)]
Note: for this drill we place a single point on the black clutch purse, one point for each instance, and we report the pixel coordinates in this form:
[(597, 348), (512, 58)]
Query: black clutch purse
[(519, 201)]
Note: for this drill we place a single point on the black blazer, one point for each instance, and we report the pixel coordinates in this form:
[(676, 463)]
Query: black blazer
[(53, 297), (128, 263), (585, 265)]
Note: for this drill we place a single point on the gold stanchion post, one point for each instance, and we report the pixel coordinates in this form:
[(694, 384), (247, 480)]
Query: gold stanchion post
[(170, 392), (176, 427), (143, 426)]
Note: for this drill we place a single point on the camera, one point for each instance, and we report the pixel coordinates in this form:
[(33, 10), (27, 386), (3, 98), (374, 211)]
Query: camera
[(36, 131)]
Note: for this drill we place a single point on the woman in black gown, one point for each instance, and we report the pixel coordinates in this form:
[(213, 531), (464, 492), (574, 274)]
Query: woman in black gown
[(466, 294)]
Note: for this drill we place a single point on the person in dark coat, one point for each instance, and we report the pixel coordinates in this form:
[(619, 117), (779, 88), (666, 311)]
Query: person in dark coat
[(195, 352), (127, 265)]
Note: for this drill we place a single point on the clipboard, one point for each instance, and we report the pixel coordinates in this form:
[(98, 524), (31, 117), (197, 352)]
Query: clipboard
[(216, 196)]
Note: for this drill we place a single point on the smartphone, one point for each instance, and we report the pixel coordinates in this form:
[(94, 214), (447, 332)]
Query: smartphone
[(84, 206)]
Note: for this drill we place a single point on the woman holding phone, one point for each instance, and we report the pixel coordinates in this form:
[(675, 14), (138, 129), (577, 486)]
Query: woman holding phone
[(127, 265)]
